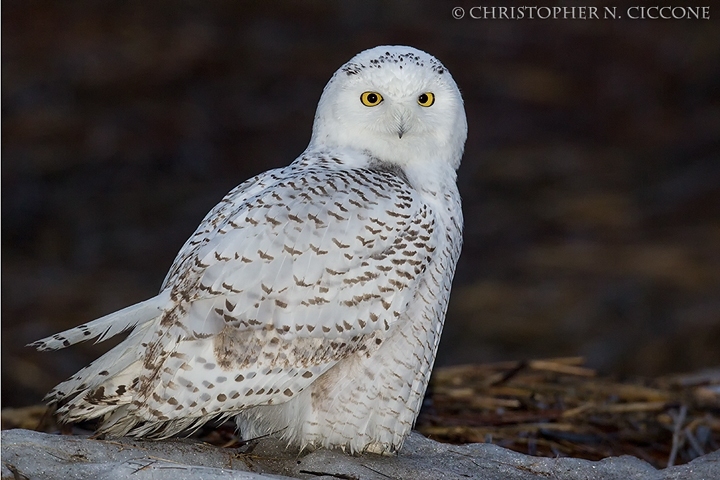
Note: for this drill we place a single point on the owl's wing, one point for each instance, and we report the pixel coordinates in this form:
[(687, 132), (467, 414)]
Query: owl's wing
[(276, 287)]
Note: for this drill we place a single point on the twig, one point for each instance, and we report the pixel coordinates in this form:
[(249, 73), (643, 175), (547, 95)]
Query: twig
[(17, 475), (557, 367), (677, 437), (503, 377), (342, 476), (699, 451)]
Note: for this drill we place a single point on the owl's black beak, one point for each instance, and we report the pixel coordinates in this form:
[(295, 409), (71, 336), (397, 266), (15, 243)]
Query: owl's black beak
[(401, 130), (402, 118)]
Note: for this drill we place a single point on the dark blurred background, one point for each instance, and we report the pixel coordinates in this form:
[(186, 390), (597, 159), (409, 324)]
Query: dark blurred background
[(591, 178)]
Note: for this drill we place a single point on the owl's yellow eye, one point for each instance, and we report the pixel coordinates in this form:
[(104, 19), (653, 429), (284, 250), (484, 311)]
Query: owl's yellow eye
[(371, 99), (426, 99)]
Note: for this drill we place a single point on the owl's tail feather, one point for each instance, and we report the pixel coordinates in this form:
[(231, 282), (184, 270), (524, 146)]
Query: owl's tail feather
[(102, 387), (106, 384), (107, 326)]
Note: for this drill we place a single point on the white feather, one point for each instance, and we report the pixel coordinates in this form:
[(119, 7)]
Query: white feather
[(107, 326)]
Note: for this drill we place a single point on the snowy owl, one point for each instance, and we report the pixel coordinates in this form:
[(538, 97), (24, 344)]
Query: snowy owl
[(309, 302)]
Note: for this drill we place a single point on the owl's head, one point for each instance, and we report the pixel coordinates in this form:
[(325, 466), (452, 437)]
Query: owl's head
[(398, 104)]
